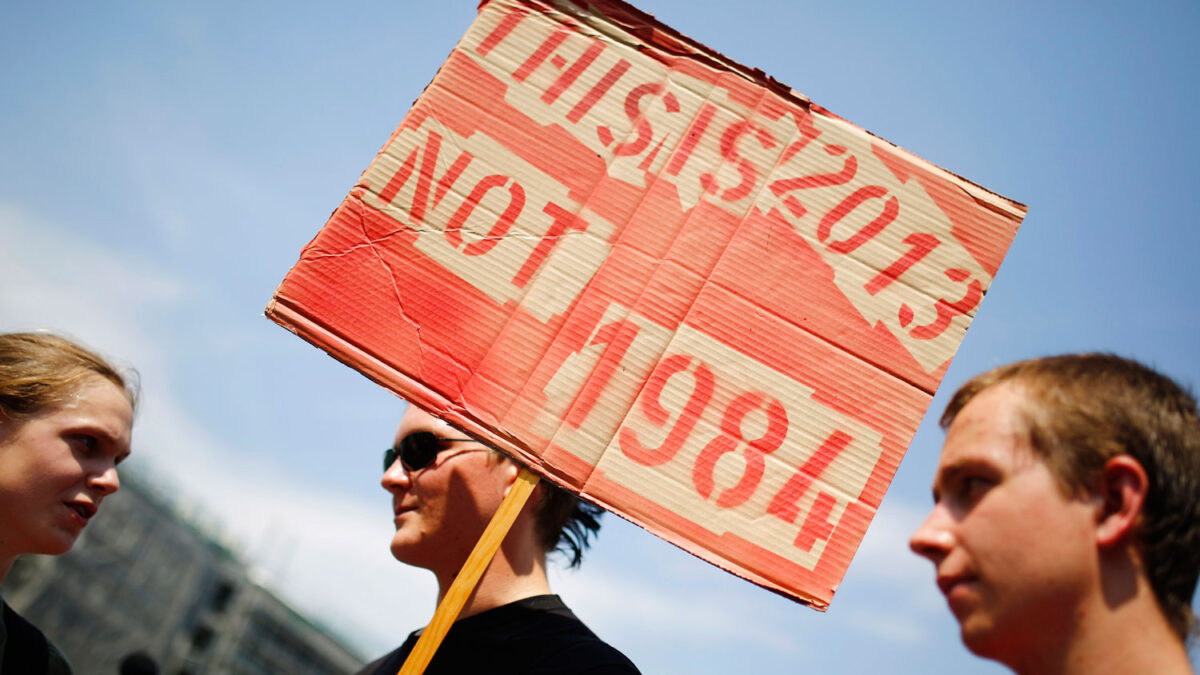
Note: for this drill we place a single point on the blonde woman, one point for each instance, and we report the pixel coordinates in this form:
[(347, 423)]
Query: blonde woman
[(66, 418)]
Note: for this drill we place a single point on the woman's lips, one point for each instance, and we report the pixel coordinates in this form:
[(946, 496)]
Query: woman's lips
[(81, 512)]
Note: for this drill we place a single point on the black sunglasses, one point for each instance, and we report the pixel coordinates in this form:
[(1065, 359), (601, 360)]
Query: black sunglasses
[(418, 450)]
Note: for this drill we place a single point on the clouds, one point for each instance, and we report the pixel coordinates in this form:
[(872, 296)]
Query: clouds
[(52, 278), (162, 166), (884, 554), (638, 606)]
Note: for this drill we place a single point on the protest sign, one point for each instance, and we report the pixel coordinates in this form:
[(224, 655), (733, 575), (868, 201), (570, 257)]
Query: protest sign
[(661, 279)]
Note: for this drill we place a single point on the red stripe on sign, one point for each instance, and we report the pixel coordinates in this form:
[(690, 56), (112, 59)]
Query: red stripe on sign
[(538, 57), (568, 78), (598, 91), (501, 31)]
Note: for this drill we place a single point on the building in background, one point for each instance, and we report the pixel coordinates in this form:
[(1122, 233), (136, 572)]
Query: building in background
[(144, 578)]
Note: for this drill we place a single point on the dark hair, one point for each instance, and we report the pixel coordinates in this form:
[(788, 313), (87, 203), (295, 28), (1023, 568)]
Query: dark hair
[(1086, 408), (566, 523), (41, 371)]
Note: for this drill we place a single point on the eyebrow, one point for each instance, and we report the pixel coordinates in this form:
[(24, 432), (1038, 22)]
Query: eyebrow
[(103, 433), (951, 472)]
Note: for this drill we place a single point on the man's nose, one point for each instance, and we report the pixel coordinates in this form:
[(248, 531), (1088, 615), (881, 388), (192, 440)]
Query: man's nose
[(933, 539)]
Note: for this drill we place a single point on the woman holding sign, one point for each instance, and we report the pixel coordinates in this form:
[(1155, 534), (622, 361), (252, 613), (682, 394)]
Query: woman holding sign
[(445, 488), (66, 417)]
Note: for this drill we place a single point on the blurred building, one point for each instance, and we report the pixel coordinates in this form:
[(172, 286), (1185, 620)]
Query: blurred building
[(143, 578)]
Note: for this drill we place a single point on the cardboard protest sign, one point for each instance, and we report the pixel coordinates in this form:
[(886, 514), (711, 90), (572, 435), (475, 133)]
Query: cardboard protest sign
[(661, 279)]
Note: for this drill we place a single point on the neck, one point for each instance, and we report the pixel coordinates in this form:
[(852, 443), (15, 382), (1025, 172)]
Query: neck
[(500, 587), (1121, 631), (1133, 651), (517, 571)]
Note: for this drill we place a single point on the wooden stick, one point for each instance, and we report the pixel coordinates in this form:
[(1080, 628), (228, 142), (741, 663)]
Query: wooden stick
[(464, 584)]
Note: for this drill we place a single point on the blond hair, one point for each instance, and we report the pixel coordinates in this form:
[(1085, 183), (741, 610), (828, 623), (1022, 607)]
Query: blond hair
[(41, 371)]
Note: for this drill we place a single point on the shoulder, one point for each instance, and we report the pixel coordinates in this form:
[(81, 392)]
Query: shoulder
[(391, 662), (25, 649), (534, 636), (552, 639), (56, 662), (590, 657)]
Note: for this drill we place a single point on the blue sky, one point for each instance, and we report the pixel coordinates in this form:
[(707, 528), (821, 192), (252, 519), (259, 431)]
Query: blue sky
[(162, 164)]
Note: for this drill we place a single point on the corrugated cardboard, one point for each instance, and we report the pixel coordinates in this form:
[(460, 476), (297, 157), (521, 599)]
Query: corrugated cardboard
[(661, 279)]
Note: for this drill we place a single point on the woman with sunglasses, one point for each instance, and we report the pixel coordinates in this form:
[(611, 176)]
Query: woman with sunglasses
[(66, 417), (445, 488)]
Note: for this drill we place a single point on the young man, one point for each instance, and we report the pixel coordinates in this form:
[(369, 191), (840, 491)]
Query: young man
[(1066, 520), (445, 488)]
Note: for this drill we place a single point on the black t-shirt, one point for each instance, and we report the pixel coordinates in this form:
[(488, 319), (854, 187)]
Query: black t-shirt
[(537, 635), (24, 650)]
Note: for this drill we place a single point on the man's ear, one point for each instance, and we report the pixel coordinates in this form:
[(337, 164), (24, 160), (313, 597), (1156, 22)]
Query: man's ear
[(1123, 487)]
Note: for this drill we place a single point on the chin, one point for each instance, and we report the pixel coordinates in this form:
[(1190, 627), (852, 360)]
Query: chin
[(398, 550), (404, 550), (982, 642), (56, 545)]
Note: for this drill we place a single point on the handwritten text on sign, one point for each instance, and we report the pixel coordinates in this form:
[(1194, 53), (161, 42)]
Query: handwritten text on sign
[(826, 180), (734, 441), (744, 426), (658, 278)]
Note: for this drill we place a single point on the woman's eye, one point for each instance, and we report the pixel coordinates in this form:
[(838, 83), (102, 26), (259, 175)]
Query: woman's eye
[(87, 443)]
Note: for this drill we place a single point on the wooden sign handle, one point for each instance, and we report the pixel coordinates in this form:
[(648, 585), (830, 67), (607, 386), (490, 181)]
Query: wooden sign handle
[(464, 584)]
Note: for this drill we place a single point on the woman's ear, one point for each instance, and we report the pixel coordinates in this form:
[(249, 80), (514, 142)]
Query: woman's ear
[(1122, 493), (509, 470)]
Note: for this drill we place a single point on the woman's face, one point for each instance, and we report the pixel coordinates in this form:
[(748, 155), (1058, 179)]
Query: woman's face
[(440, 511), (56, 468)]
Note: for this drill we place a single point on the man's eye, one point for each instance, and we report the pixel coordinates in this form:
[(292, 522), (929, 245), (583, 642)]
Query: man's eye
[(973, 488)]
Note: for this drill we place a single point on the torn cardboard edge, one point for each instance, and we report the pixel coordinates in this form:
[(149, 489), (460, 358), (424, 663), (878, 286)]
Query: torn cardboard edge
[(654, 32)]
